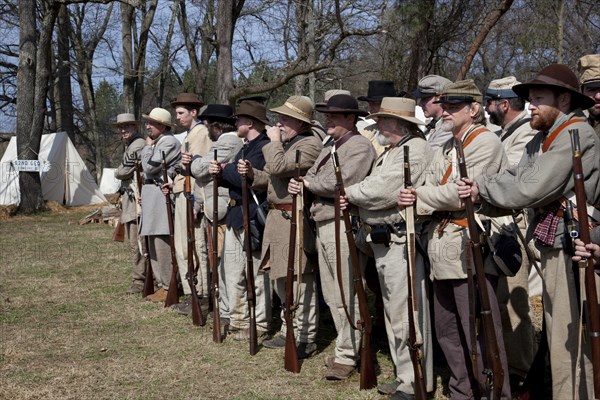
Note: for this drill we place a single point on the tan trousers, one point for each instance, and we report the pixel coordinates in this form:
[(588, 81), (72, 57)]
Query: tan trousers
[(306, 316), (234, 292), (392, 270), (347, 343), (561, 315)]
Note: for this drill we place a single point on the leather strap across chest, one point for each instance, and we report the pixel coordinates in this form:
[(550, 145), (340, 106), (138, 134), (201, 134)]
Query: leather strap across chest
[(467, 141)]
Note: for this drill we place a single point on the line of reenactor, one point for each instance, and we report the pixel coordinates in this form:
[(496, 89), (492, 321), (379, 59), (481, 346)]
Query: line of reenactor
[(448, 218)]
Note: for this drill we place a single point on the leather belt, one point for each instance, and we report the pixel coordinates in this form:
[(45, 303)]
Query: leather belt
[(282, 207), (398, 228), (153, 182), (328, 200)]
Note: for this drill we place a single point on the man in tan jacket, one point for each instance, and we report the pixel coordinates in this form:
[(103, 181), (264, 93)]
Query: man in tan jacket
[(376, 198), (356, 155), (464, 116), (196, 142), (292, 133)]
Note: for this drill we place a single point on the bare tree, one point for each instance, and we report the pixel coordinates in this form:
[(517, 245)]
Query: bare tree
[(134, 53), (34, 61), (489, 23)]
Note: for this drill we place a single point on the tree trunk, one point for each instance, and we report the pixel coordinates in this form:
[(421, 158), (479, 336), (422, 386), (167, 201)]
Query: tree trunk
[(64, 92), (129, 75), (166, 53), (493, 17), (32, 81), (225, 26)]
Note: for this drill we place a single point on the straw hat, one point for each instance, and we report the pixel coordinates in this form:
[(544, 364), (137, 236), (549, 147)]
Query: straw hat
[(298, 107), (557, 76), (125, 119), (398, 107), (159, 115)]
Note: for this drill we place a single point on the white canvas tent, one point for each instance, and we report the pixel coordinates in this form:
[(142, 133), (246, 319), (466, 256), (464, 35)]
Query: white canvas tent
[(65, 178)]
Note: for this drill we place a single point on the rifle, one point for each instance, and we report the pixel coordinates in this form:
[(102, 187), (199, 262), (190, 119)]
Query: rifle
[(197, 317), (494, 373), (291, 351), (368, 379), (148, 276), (593, 310), (250, 287), (416, 356), (172, 294), (213, 239)]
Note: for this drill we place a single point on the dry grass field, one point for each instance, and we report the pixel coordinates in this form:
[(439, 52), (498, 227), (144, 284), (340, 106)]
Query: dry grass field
[(68, 331)]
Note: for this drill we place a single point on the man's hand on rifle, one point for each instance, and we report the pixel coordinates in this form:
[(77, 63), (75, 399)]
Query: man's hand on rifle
[(214, 168), (186, 158), (344, 203), (407, 198), (166, 188), (468, 188), (586, 251), (244, 167), (294, 186)]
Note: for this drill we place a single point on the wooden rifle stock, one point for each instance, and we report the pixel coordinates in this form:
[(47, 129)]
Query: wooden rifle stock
[(368, 380), (213, 239), (250, 287), (197, 317), (593, 311), (291, 351), (494, 373), (172, 294), (148, 276), (416, 356), (119, 232)]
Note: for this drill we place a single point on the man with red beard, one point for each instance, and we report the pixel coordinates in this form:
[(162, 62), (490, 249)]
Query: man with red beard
[(543, 180), (589, 71)]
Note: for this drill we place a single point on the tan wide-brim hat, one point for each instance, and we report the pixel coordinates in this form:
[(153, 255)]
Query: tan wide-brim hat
[(159, 115), (298, 107), (125, 119), (398, 107)]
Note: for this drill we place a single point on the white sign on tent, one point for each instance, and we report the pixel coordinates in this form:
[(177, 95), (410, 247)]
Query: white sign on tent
[(65, 178)]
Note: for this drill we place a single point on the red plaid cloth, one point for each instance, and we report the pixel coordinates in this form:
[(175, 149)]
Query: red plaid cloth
[(545, 231)]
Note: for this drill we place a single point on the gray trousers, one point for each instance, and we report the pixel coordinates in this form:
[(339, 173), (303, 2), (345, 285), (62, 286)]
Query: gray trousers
[(139, 262), (234, 292), (306, 316), (347, 343), (160, 258)]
